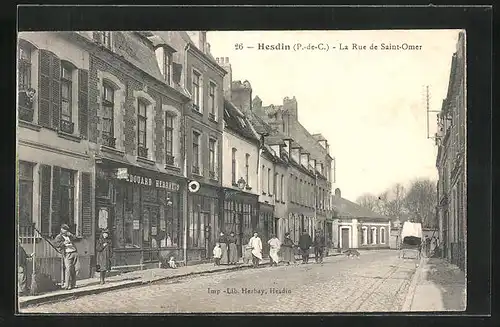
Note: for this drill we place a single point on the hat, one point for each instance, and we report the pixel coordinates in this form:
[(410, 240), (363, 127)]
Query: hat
[(65, 227), (105, 230)]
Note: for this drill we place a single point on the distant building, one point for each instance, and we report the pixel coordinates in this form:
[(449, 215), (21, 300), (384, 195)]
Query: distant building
[(357, 227), (451, 163)]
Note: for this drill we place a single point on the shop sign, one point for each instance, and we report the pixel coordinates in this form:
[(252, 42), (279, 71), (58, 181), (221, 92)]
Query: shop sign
[(147, 181)]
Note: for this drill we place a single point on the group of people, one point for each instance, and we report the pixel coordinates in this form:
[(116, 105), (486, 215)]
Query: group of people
[(226, 251), (64, 243), (430, 245)]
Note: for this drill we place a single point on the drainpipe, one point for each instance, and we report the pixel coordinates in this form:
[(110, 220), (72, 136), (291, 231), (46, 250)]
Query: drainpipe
[(184, 158)]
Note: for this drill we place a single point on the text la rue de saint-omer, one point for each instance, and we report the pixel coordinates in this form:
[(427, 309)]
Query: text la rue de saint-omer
[(325, 46)]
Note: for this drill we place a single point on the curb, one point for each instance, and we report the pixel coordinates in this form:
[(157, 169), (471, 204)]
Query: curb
[(413, 285), (124, 284)]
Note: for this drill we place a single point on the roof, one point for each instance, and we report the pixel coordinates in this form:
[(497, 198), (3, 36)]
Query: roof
[(236, 121), (347, 209)]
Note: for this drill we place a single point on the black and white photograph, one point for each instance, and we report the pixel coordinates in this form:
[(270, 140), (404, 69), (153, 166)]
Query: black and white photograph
[(224, 171)]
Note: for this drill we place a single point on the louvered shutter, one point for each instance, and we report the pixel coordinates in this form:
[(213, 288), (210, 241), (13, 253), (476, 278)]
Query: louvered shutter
[(45, 177), (56, 205), (83, 102), (44, 102), (86, 205), (55, 88)]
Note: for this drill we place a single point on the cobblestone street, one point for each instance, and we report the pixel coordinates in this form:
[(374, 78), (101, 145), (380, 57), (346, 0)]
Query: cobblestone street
[(378, 281)]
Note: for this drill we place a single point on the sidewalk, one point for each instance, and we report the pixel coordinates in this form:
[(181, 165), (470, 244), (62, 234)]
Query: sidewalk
[(440, 286), (130, 279)]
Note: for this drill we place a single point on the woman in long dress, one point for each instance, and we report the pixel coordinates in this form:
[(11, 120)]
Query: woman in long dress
[(287, 253), (274, 247), (233, 250), (224, 260), (256, 245)]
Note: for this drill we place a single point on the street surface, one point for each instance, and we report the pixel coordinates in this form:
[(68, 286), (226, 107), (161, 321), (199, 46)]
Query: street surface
[(378, 281)]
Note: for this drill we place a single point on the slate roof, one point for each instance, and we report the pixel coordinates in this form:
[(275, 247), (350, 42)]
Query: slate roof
[(348, 209), (236, 121)]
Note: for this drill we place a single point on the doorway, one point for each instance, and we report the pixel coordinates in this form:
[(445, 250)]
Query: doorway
[(150, 226), (345, 238)]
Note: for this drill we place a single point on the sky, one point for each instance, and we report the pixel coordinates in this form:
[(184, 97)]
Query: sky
[(369, 104)]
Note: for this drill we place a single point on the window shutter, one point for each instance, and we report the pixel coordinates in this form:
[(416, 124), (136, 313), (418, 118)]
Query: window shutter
[(55, 88), (44, 88), (56, 216), (86, 205), (83, 102), (176, 73), (45, 172)]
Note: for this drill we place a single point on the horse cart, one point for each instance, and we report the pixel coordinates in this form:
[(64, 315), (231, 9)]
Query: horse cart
[(411, 240)]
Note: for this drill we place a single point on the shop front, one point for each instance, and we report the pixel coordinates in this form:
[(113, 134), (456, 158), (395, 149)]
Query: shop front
[(143, 211), (266, 224), (240, 215), (203, 222)]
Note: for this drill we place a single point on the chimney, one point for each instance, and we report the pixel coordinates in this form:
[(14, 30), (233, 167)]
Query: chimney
[(224, 63), (208, 47), (290, 105), (241, 95), (338, 195), (203, 41)]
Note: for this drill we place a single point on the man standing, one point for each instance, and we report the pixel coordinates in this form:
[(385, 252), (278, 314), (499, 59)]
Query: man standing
[(305, 243), (64, 242), (256, 244), (22, 263), (319, 246)]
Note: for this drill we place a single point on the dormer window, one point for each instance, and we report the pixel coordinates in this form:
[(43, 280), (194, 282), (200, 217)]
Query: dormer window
[(164, 57), (103, 38), (168, 67)]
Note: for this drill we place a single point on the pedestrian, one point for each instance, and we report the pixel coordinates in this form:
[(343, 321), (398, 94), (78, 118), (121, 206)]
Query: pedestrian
[(224, 260), (287, 252), (427, 246), (319, 247), (274, 247), (22, 269), (217, 254), (256, 245), (233, 249), (247, 255), (104, 250), (305, 243), (64, 242)]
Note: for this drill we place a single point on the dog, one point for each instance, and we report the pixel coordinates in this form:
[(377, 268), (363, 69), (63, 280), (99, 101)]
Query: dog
[(351, 253), (171, 263)]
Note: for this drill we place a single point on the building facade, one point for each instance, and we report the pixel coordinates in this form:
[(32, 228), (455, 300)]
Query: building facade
[(451, 163), (56, 167)]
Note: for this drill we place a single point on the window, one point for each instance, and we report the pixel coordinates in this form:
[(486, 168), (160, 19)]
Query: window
[(25, 193), (247, 169), (211, 157), (104, 38), (108, 104), (196, 228), (196, 90), (282, 188), (67, 197), (283, 125), (142, 150), (168, 67), (66, 98), (263, 179), (276, 186), (364, 235), (211, 100), (233, 166), (196, 152), (382, 235), (24, 68), (169, 136), (269, 176), (374, 235)]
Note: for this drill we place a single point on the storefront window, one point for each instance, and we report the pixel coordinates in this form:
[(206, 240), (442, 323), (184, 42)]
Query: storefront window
[(196, 234), (172, 219), (25, 193)]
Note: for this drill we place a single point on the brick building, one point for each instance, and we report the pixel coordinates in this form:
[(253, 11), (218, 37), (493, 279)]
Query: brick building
[(451, 163)]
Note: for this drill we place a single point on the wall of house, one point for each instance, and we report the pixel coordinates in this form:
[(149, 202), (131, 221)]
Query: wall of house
[(267, 181)]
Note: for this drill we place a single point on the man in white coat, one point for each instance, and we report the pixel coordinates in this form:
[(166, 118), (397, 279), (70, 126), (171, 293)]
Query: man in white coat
[(256, 244)]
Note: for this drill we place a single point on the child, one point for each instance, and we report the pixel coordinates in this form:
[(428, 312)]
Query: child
[(171, 263), (217, 253)]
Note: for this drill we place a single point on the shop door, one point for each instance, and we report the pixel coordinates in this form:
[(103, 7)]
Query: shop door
[(150, 226), (345, 238), (210, 236)]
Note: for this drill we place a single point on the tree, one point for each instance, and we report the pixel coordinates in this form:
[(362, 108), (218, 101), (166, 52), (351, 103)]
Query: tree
[(421, 202), (395, 202), (368, 201)]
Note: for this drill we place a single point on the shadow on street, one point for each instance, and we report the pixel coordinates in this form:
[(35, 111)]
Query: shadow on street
[(451, 282)]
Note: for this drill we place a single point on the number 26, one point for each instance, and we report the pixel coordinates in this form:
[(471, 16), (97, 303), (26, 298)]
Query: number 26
[(238, 46)]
